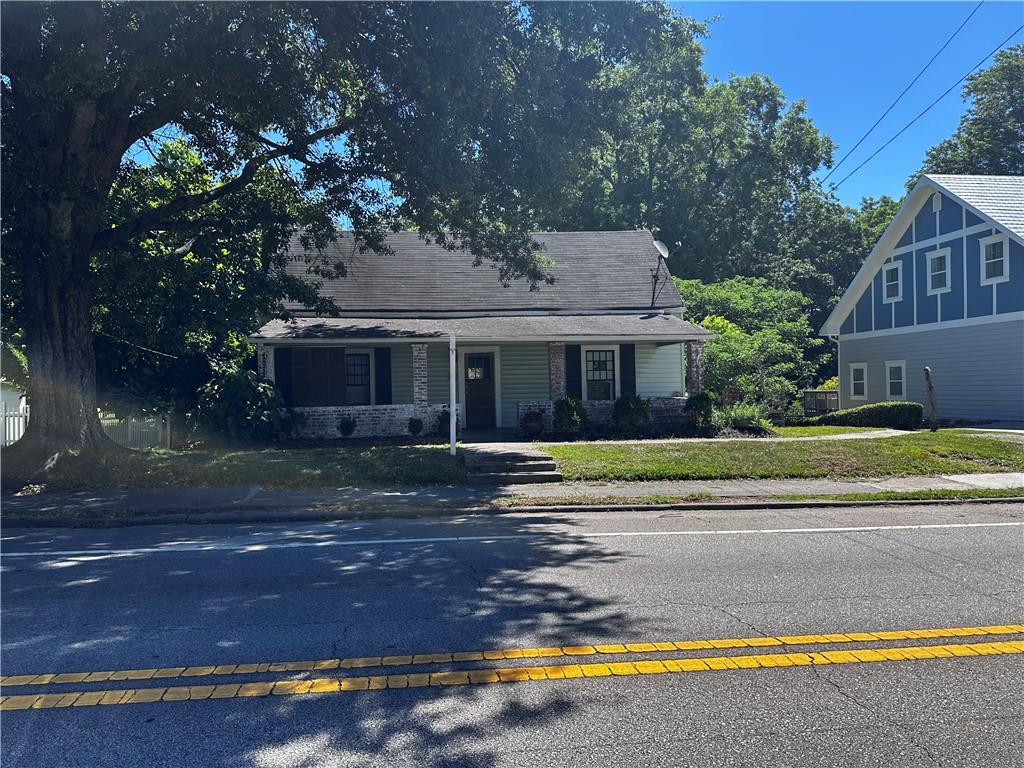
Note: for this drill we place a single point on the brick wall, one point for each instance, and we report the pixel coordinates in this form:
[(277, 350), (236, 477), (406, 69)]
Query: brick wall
[(371, 420), (664, 410)]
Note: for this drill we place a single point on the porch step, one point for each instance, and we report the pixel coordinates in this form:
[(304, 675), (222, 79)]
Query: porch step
[(513, 478), (532, 464)]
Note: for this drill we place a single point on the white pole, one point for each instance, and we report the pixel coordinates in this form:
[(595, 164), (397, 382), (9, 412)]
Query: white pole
[(451, 393)]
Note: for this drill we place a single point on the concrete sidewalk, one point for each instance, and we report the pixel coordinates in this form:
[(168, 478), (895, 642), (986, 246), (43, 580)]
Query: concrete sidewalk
[(256, 500)]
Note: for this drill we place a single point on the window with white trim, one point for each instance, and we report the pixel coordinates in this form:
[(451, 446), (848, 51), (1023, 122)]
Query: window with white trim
[(995, 259), (896, 380), (357, 378), (892, 282), (938, 271), (599, 374), (858, 381)]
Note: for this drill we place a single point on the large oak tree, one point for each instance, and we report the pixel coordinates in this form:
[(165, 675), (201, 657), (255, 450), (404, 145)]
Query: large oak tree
[(450, 117)]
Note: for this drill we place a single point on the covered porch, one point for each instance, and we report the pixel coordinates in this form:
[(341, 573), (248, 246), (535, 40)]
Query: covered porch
[(383, 373)]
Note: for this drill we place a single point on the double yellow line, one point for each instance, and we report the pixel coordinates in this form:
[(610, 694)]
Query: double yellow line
[(488, 675)]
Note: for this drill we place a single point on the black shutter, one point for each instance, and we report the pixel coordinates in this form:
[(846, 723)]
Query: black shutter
[(573, 371), (382, 375), (627, 369), (333, 379), (283, 373)]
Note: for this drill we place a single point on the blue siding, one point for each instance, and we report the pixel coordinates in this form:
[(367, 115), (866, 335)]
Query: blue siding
[(924, 224), (927, 306), (904, 310), (864, 312), (953, 302), (950, 217), (1010, 295), (973, 220), (907, 239), (883, 311), (979, 297)]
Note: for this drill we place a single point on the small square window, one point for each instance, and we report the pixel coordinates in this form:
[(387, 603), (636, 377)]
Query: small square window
[(891, 283), (938, 271), (995, 264)]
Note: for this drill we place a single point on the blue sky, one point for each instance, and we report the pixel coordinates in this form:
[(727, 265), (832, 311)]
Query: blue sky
[(849, 60)]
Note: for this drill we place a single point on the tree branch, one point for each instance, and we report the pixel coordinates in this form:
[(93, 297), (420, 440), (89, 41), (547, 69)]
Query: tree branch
[(154, 218)]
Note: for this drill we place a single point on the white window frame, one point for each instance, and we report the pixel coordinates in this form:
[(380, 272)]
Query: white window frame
[(898, 266), (369, 352), (460, 385), (889, 365), (863, 367), (618, 368), (931, 256), (984, 243)]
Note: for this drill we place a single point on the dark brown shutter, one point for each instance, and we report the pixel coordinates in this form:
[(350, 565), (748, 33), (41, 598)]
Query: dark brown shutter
[(303, 393), (283, 373), (573, 371), (627, 369), (382, 375), (334, 376)]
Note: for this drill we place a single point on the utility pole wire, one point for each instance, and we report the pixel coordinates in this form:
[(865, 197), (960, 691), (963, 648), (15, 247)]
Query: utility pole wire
[(928, 108), (917, 77)]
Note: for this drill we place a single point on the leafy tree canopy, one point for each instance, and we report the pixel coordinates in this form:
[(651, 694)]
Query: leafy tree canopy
[(990, 137)]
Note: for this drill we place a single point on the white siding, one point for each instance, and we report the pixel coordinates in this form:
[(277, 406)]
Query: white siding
[(659, 369)]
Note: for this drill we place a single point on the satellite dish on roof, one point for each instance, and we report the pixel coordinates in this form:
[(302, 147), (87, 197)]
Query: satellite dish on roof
[(662, 248)]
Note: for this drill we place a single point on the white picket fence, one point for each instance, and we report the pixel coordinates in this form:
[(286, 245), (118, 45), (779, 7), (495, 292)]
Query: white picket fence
[(132, 432)]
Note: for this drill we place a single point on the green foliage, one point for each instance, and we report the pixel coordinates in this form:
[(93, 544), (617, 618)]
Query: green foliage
[(415, 426), (990, 137), (763, 339), (702, 407), (896, 414), (741, 416), (831, 384), (532, 423), (568, 414), (631, 411), (346, 426), (237, 405)]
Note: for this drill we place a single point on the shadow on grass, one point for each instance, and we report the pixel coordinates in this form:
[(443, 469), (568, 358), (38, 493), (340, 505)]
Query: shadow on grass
[(289, 594)]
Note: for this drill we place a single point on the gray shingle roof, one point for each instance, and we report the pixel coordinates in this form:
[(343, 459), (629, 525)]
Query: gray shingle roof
[(651, 326), (1001, 198), (593, 271)]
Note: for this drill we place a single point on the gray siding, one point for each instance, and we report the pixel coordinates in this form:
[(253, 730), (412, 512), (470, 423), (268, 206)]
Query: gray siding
[(401, 374), (659, 369), (978, 371), (524, 376)]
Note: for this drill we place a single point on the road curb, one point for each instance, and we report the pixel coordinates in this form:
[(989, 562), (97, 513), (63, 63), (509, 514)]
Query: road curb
[(234, 516)]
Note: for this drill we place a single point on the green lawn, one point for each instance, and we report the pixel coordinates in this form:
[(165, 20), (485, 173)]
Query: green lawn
[(928, 494), (920, 453), (820, 431), (289, 467)]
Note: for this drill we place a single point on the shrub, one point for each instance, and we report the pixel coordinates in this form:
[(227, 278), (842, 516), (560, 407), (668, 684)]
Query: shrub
[(701, 406), (238, 405), (443, 426), (630, 411), (346, 426), (415, 426), (532, 423), (832, 383), (568, 414), (740, 416), (896, 414)]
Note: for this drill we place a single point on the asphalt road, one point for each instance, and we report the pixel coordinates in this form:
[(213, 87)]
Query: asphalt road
[(148, 598)]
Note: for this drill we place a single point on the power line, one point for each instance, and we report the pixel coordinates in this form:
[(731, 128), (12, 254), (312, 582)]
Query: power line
[(904, 93), (928, 108)]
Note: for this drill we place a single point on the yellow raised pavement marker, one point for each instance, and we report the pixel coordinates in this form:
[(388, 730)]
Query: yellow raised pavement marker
[(507, 675), (362, 662)]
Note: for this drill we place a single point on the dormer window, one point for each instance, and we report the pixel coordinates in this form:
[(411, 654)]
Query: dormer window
[(938, 271), (995, 260), (892, 282)]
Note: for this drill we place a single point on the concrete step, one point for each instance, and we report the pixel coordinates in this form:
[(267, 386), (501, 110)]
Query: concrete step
[(512, 478), (534, 465)]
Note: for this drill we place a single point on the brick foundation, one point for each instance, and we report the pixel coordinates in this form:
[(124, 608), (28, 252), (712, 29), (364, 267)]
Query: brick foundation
[(371, 420), (664, 410)]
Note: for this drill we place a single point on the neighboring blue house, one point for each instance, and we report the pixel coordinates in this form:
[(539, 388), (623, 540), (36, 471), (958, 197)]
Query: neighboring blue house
[(944, 288)]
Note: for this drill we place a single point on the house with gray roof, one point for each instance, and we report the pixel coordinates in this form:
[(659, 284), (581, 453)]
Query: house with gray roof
[(943, 289), (418, 319)]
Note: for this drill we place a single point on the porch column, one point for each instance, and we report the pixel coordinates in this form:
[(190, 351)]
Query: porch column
[(419, 375), (556, 370), (694, 367)]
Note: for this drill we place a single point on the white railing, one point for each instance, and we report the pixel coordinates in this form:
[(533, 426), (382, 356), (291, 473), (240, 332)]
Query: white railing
[(131, 432)]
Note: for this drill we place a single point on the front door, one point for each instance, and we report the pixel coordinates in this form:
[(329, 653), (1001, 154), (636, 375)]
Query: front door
[(479, 389)]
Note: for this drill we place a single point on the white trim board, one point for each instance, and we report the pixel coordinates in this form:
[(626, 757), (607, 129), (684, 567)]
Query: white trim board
[(461, 383), (937, 326)]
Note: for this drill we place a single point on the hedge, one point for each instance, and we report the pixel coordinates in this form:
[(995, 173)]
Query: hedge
[(896, 414)]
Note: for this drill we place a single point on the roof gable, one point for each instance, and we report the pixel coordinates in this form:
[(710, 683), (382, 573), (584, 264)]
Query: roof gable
[(998, 200), (593, 271)]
